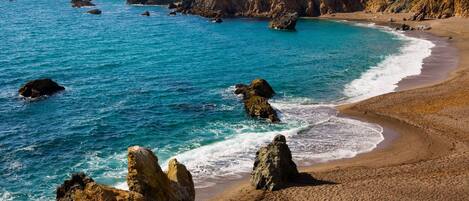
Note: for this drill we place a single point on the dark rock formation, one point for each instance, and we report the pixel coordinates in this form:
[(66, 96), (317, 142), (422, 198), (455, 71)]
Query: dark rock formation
[(146, 181), (41, 87), (273, 166), (403, 27), (284, 21), (151, 2), (172, 13), (81, 3), (255, 98), (216, 20), (146, 13), (95, 12)]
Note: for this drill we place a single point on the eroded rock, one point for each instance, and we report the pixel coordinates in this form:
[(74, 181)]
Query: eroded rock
[(255, 98), (284, 21), (181, 181), (40, 87), (273, 166)]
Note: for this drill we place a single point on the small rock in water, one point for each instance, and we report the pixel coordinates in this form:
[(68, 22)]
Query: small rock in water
[(172, 13), (273, 166), (216, 20), (146, 13), (41, 87), (81, 3), (255, 98), (94, 12)]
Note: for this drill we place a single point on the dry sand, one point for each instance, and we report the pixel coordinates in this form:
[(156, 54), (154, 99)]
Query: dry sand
[(430, 158)]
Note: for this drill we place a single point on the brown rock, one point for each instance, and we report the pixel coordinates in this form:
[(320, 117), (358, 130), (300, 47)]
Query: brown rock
[(255, 98), (146, 177), (41, 87), (273, 166), (81, 3), (284, 21), (181, 181), (95, 12)]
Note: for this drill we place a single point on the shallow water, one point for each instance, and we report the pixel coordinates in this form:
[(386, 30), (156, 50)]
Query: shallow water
[(167, 83)]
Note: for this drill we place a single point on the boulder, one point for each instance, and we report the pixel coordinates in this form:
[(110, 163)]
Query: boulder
[(95, 12), (273, 167), (146, 13), (255, 98), (40, 87), (146, 177), (82, 188), (284, 21), (172, 13), (81, 3), (181, 180), (258, 106)]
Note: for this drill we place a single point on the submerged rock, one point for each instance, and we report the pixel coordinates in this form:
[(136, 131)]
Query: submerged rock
[(146, 13), (284, 21), (95, 12), (216, 20), (41, 87), (255, 98), (81, 3), (146, 181), (273, 166)]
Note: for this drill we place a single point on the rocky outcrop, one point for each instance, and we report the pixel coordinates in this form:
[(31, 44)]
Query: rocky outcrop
[(146, 181), (255, 98), (284, 21), (181, 180), (273, 166), (81, 3), (94, 12), (40, 87), (151, 2), (422, 9)]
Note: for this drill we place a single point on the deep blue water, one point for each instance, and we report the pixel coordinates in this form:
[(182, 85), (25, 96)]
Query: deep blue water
[(165, 82)]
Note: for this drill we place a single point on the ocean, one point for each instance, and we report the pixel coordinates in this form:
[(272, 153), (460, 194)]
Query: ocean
[(167, 82)]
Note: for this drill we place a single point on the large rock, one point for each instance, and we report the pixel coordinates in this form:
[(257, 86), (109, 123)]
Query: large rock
[(146, 181), (181, 181), (146, 177), (81, 3), (255, 98), (284, 22), (273, 166), (82, 188), (41, 87)]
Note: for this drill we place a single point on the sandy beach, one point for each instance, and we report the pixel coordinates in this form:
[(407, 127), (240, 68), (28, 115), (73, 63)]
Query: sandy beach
[(425, 152)]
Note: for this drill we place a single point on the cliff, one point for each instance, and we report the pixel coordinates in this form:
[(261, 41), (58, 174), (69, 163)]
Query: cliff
[(312, 8)]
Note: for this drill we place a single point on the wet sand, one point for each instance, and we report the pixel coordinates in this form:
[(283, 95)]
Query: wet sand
[(425, 155)]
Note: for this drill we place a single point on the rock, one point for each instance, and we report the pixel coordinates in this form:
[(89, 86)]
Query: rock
[(172, 13), (423, 27), (82, 188), (257, 106), (146, 177), (94, 12), (173, 5), (404, 27), (273, 166), (181, 181), (390, 20), (41, 87), (81, 3), (255, 98), (284, 21), (216, 20), (146, 13)]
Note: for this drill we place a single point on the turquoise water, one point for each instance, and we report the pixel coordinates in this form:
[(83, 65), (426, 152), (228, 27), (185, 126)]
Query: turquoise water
[(166, 83)]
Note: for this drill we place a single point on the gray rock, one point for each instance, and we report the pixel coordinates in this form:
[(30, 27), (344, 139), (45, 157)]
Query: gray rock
[(273, 167)]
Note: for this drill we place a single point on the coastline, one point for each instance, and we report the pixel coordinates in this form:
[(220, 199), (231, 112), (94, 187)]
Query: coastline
[(405, 143)]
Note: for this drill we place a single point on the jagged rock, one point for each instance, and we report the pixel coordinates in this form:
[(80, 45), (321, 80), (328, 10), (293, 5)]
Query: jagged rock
[(95, 12), (81, 3), (255, 98), (82, 188), (41, 87), (151, 2), (284, 21), (273, 166), (145, 175), (146, 13), (181, 181)]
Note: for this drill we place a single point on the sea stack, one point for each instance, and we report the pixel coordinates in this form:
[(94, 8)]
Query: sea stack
[(40, 87), (273, 166), (146, 181), (255, 98)]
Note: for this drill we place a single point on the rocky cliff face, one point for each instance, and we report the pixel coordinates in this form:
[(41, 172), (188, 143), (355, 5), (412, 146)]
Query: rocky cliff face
[(146, 181), (269, 8)]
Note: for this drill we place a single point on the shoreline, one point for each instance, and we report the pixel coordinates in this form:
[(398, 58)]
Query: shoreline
[(410, 143)]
